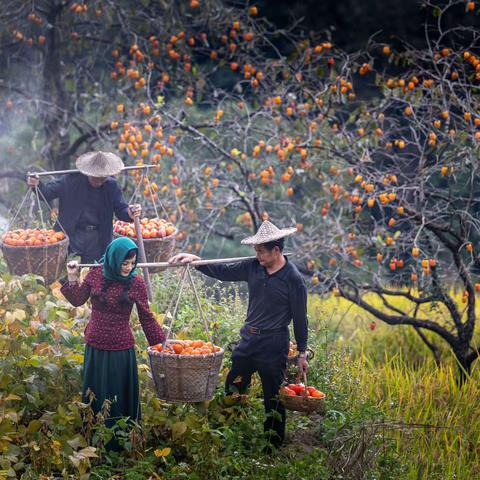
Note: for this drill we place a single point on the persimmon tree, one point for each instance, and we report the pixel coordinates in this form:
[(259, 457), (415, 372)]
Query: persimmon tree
[(199, 89), (413, 196), (372, 154)]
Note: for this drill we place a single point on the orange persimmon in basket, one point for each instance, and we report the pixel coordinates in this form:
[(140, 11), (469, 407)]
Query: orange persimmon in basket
[(31, 237), (298, 389), (187, 347), (150, 228), (292, 350)]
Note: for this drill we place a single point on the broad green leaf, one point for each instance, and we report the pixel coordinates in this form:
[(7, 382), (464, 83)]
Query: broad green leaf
[(178, 429), (76, 357), (34, 426), (31, 362), (66, 335)]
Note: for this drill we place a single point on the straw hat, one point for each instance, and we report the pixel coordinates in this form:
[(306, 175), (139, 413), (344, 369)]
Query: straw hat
[(268, 232), (99, 164)]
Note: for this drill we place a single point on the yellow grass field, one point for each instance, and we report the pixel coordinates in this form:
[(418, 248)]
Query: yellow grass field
[(433, 421)]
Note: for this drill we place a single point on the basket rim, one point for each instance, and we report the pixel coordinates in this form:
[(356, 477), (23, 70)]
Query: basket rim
[(47, 245), (156, 353), (156, 239), (303, 404), (305, 408), (302, 398)]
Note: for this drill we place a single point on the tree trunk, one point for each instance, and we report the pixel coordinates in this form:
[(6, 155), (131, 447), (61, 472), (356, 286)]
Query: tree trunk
[(55, 112), (464, 366)]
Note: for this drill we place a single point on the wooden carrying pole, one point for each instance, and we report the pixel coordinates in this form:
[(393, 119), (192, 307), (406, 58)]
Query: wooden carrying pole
[(143, 257), (197, 263), (61, 172)]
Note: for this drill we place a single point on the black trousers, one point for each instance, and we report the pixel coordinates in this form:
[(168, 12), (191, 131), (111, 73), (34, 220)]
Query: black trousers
[(86, 243), (266, 354)]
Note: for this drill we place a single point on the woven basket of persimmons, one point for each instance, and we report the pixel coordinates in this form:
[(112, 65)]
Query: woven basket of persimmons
[(158, 238), (185, 370), (302, 398), (39, 251)]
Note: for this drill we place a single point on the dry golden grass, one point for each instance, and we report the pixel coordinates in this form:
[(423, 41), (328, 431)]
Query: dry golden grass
[(435, 421)]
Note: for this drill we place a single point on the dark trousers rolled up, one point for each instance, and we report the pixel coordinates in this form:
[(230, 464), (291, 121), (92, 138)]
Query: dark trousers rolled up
[(266, 354)]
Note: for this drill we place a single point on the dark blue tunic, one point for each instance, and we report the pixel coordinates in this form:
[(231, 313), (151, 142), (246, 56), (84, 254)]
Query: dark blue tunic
[(76, 204)]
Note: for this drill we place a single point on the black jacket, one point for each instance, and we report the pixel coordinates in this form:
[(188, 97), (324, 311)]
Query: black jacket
[(71, 191), (273, 300)]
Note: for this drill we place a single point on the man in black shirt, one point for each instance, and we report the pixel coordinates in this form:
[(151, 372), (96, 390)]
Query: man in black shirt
[(87, 202), (276, 295)]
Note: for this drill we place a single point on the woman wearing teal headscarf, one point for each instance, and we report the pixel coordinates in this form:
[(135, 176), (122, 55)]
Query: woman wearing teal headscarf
[(115, 255), (110, 365)]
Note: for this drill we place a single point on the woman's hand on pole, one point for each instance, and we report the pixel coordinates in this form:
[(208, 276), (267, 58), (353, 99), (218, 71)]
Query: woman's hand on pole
[(73, 271), (183, 258), (135, 210)]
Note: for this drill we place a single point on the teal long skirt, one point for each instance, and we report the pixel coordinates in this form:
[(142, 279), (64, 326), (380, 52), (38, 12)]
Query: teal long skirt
[(112, 375)]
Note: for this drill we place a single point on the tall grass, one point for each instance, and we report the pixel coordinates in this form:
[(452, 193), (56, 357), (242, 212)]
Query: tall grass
[(436, 422), (348, 324), (432, 421)]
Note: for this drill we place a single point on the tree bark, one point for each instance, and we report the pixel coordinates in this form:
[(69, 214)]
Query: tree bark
[(56, 113)]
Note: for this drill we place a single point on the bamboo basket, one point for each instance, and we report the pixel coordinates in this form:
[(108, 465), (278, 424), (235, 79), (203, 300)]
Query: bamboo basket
[(156, 249), (303, 403), (185, 378), (47, 261)]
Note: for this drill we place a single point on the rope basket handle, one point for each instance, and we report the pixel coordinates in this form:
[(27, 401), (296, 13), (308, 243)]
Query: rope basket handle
[(305, 383), (11, 222), (136, 195), (186, 274), (36, 193)]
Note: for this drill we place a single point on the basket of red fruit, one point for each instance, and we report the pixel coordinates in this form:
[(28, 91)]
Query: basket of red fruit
[(302, 398)]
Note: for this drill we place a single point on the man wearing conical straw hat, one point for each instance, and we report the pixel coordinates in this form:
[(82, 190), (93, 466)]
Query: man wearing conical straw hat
[(277, 295), (87, 202)]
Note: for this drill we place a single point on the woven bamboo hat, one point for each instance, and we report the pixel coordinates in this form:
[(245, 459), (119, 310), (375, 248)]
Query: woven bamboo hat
[(99, 164), (268, 232)]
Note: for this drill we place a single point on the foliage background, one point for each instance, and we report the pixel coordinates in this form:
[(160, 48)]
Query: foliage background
[(389, 412), (369, 143)]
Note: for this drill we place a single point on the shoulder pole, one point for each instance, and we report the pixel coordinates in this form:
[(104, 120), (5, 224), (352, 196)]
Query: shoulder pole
[(197, 263), (143, 258), (62, 172)]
